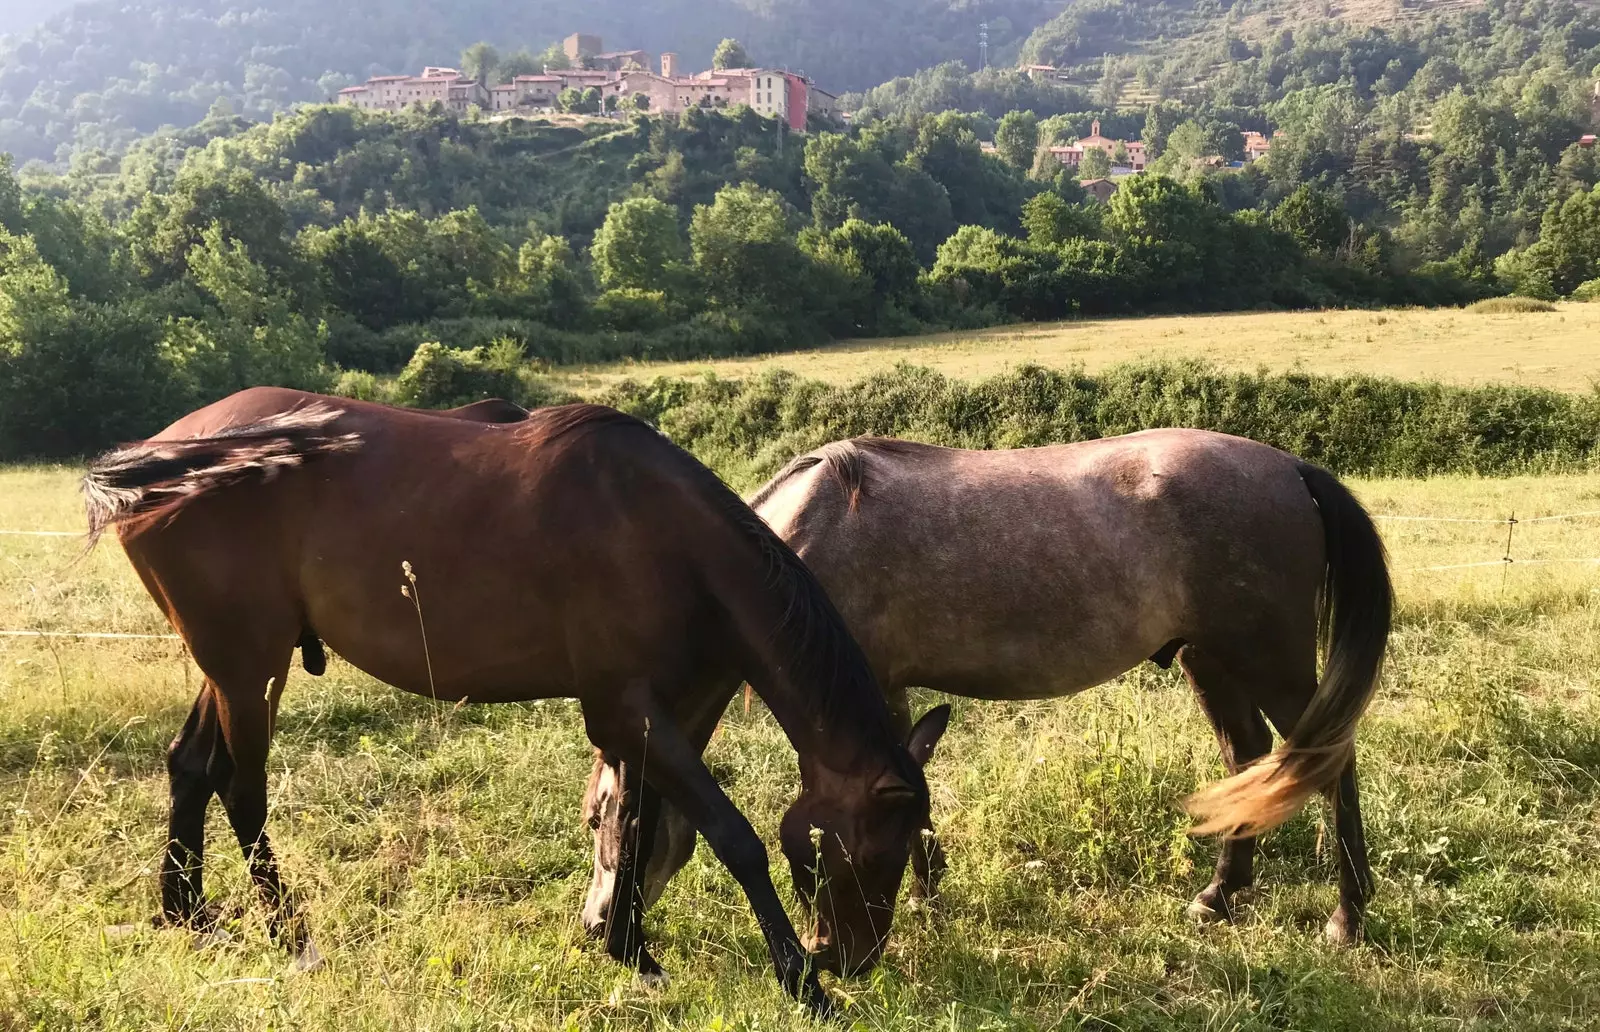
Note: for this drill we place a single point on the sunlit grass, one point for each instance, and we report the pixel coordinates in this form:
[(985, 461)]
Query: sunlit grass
[(1555, 349), (442, 862)]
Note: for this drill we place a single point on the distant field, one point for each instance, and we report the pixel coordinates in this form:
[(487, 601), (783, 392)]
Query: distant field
[(442, 861), (1558, 349)]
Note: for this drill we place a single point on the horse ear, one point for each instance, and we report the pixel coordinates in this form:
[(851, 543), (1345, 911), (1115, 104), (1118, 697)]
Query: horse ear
[(927, 733)]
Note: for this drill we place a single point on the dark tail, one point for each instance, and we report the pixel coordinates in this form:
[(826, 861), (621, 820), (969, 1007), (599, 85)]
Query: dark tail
[(1357, 603), (153, 479)]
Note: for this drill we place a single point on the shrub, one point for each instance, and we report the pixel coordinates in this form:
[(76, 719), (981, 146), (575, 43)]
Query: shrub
[(631, 308), (1510, 305), (1587, 291), (1356, 424), (362, 386), (441, 377)]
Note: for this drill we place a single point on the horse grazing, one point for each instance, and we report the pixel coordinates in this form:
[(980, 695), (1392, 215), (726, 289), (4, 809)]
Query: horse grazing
[(1041, 572), (577, 553)]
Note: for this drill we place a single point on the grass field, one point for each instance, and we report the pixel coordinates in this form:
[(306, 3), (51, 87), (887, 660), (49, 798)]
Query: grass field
[(1557, 349), (442, 860)]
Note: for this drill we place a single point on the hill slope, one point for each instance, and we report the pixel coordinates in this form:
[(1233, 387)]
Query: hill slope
[(106, 71)]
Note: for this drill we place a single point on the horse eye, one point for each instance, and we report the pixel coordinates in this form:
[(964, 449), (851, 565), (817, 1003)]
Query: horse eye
[(594, 821)]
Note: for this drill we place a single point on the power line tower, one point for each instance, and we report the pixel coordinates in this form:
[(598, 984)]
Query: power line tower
[(983, 45)]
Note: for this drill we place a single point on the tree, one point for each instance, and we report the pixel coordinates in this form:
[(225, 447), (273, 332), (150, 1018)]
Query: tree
[(744, 248), (1095, 164), (554, 58), (1566, 255), (479, 62), (730, 53), (880, 255), (639, 246), (1315, 219), (1159, 122), (1016, 139), (1050, 221), (520, 63)]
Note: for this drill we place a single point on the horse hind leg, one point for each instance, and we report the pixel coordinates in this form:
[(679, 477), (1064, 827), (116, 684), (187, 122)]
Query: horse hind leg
[(1242, 736), (1284, 707), (247, 672), (1355, 876), (192, 762)]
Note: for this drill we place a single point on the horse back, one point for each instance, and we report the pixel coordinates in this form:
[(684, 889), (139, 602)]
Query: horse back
[(1037, 571)]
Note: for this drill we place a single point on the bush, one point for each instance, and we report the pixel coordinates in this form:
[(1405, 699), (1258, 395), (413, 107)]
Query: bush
[(362, 386), (1510, 305), (87, 381), (1588, 291), (441, 377), (1360, 425), (631, 308)]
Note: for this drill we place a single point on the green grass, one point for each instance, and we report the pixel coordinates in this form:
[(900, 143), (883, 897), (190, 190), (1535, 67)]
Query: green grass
[(442, 862)]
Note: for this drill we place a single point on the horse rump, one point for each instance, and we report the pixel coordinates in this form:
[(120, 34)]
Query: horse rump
[(1357, 606), (153, 479)]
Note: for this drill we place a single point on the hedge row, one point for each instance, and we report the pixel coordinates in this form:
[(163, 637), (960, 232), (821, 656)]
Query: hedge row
[(1353, 425)]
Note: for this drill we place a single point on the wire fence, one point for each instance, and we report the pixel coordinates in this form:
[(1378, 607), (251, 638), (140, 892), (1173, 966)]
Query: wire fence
[(1505, 562), (1510, 522)]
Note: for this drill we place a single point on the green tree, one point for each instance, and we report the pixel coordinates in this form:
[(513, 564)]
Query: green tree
[(744, 247), (1566, 255), (1159, 122), (879, 255), (74, 376), (253, 334), (480, 61), (1016, 139), (1095, 164), (165, 228), (554, 57), (1050, 221), (639, 246), (730, 53), (520, 63), (1314, 218)]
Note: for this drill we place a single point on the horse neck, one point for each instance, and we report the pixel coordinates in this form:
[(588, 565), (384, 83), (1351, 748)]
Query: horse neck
[(806, 667), (830, 715)]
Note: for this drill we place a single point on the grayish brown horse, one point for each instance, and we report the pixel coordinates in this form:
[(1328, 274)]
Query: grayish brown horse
[(1041, 572)]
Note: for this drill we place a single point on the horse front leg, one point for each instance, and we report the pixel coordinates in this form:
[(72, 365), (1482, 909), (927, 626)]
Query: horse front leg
[(638, 813), (669, 761)]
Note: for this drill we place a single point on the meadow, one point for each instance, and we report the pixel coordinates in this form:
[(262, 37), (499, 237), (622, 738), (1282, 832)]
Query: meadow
[(1542, 349), (442, 861)]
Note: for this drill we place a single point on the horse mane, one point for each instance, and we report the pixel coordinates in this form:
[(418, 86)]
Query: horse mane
[(547, 424), (817, 647), (844, 462), (152, 479)]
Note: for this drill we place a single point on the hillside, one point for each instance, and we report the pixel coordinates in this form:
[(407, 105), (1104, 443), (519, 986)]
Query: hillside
[(106, 71)]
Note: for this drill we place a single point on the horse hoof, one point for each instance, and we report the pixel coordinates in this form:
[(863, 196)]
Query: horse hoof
[(654, 980), (1342, 929), (308, 960), (1201, 912)]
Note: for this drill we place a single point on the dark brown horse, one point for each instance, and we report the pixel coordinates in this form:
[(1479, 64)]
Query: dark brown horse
[(579, 554), (1040, 572)]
